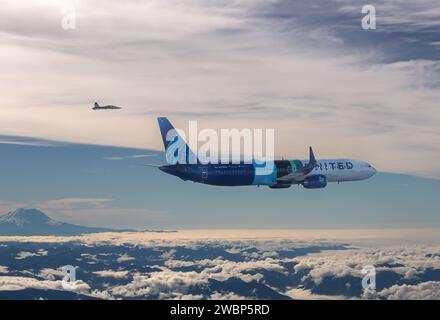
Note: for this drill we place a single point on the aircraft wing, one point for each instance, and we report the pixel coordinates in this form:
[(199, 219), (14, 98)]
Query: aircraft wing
[(300, 175), (293, 177)]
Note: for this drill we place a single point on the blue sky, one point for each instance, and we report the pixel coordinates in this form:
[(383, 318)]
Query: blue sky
[(305, 69)]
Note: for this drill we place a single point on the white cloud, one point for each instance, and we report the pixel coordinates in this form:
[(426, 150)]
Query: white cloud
[(21, 283), (166, 283), (402, 15), (124, 258), (266, 239), (26, 254), (4, 269), (225, 59), (423, 291), (168, 254), (179, 263), (111, 274), (408, 258), (118, 218), (51, 274), (93, 211), (74, 203), (301, 266), (7, 206), (170, 284), (135, 156), (303, 294), (409, 261), (226, 296)]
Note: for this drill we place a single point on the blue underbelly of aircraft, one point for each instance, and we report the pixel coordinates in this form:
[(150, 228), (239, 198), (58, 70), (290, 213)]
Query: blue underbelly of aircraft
[(226, 174), (229, 175)]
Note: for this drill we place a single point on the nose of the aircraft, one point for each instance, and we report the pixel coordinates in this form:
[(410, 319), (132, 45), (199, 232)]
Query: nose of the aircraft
[(373, 170)]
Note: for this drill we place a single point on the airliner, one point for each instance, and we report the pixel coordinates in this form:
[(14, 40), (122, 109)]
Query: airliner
[(311, 173), (108, 107)]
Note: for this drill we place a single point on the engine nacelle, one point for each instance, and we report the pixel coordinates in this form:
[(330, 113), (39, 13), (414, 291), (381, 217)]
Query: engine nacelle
[(280, 186), (315, 182)]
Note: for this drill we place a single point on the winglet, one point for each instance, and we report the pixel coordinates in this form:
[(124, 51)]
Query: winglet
[(312, 159)]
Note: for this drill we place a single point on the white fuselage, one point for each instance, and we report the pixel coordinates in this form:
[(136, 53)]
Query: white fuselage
[(338, 170)]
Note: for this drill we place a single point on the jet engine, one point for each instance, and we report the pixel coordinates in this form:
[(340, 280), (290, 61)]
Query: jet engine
[(315, 182)]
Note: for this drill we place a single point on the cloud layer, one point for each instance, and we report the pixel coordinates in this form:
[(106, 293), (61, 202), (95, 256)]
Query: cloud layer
[(144, 266)]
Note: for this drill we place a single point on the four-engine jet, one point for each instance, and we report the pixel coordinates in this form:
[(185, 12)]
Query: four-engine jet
[(108, 107), (311, 173)]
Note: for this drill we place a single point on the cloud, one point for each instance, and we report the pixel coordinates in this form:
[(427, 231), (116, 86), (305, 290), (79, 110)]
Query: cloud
[(93, 211), (267, 239), (226, 296), (135, 156), (25, 254), (3, 269), (221, 265), (171, 284), (111, 274), (51, 274), (166, 284), (28, 141), (7, 206), (401, 15), (75, 203), (423, 291), (124, 258), (301, 294), (262, 64), (408, 262), (118, 218), (21, 283)]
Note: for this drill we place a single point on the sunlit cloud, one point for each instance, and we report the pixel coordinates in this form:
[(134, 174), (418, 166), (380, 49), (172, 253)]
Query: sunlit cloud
[(302, 264), (230, 64)]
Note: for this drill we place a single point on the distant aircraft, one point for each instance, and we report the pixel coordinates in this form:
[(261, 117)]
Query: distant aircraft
[(311, 174), (109, 107)]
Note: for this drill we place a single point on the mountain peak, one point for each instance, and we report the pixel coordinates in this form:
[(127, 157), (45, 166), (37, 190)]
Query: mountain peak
[(24, 216)]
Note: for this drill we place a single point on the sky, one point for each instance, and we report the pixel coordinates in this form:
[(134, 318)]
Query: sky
[(306, 69)]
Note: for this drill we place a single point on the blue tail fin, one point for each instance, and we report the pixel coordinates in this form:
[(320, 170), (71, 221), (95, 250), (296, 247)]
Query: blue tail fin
[(165, 126), (176, 149)]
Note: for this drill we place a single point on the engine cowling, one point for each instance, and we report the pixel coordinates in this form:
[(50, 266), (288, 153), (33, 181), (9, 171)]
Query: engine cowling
[(315, 182), (280, 186)]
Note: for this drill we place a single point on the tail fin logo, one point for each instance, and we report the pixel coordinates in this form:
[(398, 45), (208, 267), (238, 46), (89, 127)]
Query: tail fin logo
[(217, 149)]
